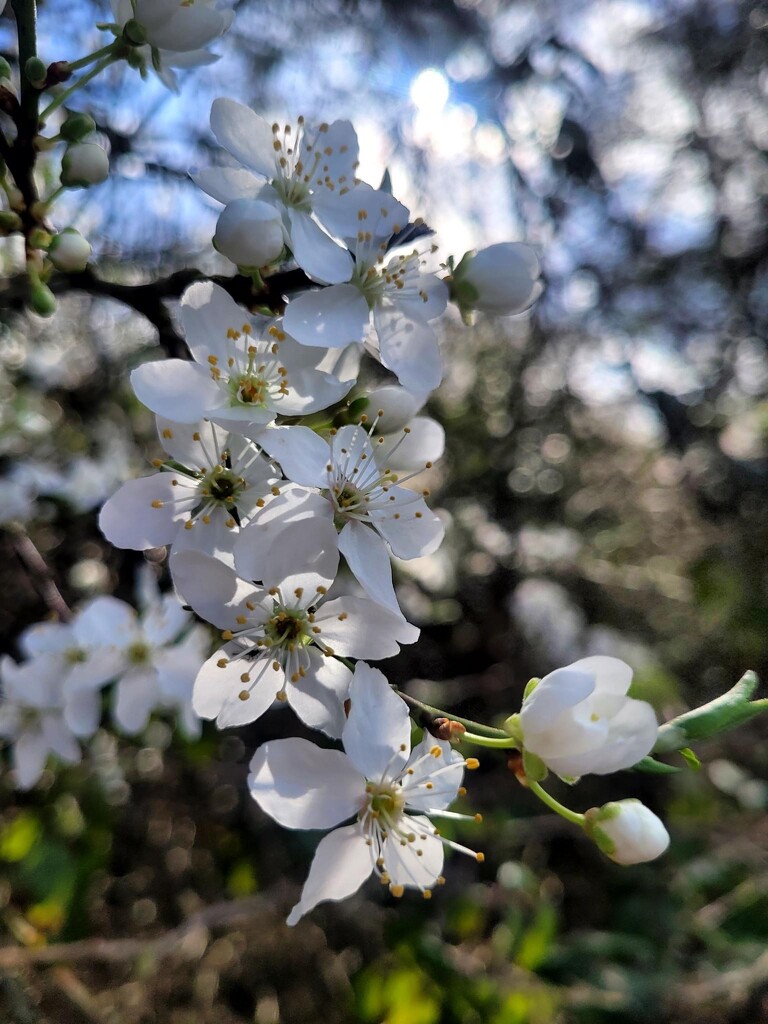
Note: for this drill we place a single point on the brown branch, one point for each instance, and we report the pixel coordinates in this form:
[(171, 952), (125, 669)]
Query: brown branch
[(184, 940), (40, 573)]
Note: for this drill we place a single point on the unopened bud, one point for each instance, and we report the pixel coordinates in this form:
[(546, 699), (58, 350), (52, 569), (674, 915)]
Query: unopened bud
[(42, 300), (39, 238), (249, 232), (69, 251), (36, 72), (502, 279), (84, 164), (627, 832), (134, 33), (77, 127), (9, 222)]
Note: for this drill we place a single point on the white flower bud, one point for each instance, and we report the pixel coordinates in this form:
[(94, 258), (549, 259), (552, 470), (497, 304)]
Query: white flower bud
[(84, 164), (502, 279), (627, 832), (578, 720), (249, 232), (69, 251)]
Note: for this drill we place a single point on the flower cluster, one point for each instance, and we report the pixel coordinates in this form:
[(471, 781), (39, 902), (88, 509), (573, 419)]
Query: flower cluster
[(53, 698)]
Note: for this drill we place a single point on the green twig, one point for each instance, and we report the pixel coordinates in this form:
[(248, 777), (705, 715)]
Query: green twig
[(476, 728), (555, 805), (83, 62)]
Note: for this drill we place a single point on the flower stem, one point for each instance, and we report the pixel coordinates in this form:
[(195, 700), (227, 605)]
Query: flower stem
[(65, 95), (502, 743), (555, 805), (83, 62), (476, 728)]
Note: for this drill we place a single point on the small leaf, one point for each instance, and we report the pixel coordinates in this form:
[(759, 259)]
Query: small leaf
[(653, 767), (690, 758), (720, 714)]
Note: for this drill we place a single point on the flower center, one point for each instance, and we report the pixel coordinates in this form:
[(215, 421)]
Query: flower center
[(222, 485), (287, 625), (138, 653), (252, 390), (385, 800)]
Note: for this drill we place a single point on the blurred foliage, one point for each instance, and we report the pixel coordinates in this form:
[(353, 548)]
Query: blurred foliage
[(605, 485)]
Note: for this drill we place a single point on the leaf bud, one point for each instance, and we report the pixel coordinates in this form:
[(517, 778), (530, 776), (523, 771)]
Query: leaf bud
[(42, 300), (84, 164), (69, 251), (77, 127), (36, 72)]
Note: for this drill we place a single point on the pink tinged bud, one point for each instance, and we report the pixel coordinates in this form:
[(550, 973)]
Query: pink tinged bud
[(84, 164), (627, 832), (69, 251), (502, 279), (249, 232)]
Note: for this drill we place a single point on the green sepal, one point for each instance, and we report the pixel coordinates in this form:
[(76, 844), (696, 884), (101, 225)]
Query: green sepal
[(357, 407), (720, 714), (653, 767), (690, 759), (534, 767), (530, 686)]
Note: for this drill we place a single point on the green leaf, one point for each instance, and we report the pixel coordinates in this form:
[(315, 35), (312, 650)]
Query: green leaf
[(720, 714), (690, 758), (19, 836), (653, 767)]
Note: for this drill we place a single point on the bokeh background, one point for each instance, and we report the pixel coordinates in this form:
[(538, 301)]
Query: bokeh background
[(605, 488)]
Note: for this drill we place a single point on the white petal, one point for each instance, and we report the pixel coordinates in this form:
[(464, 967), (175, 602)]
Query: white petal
[(105, 621), (369, 630), (444, 785), (317, 254), (383, 214), (561, 689), (190, 28), (129, 520), (216, 691), (208, 312), (292, 505), (329, 317), (425, 443), (210, 587), (228, 183), (368, 559), (377, 736), (419, 863), (398, 406), (180, 390), (305, 554), (30, 752), (301, 452), (135, 698), (302, 786), (244, 134), (612, 676), (340, 152), (318, 699), (437, 298), (59, 738), (82, 712), (178, 439), (409, 348), (164, 620), (417, 531), (342, 863)]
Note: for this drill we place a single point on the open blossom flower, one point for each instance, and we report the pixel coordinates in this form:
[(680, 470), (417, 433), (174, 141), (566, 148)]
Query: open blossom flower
[(372, 512), (32, 719), (627, 832), (579, 720), (389, 290), (142, 653), (281, 638), (501, 279), (410, 440), (390, 791), (177, 32), (301, 171), (226, 478), (242, 376)]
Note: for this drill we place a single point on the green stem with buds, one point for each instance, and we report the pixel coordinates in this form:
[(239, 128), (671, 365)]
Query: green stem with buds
[(474, 728), (65, 95), (555, 805)]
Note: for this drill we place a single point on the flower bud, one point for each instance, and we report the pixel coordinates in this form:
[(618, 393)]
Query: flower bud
[(502, 279), (69, 251), (36, 72), (42, 300), (9, 222), (627, 832), (84, 164), (249, 232), (77, 127)]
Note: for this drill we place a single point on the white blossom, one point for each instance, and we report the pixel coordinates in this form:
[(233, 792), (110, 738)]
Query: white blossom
[(579, 720), (385, 288), (241, 375), (388, 789), (627, 832), (212, 482), (501, 280), (249, 232), (366, 503), (301, 171), (84, 164), (282, 638)]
